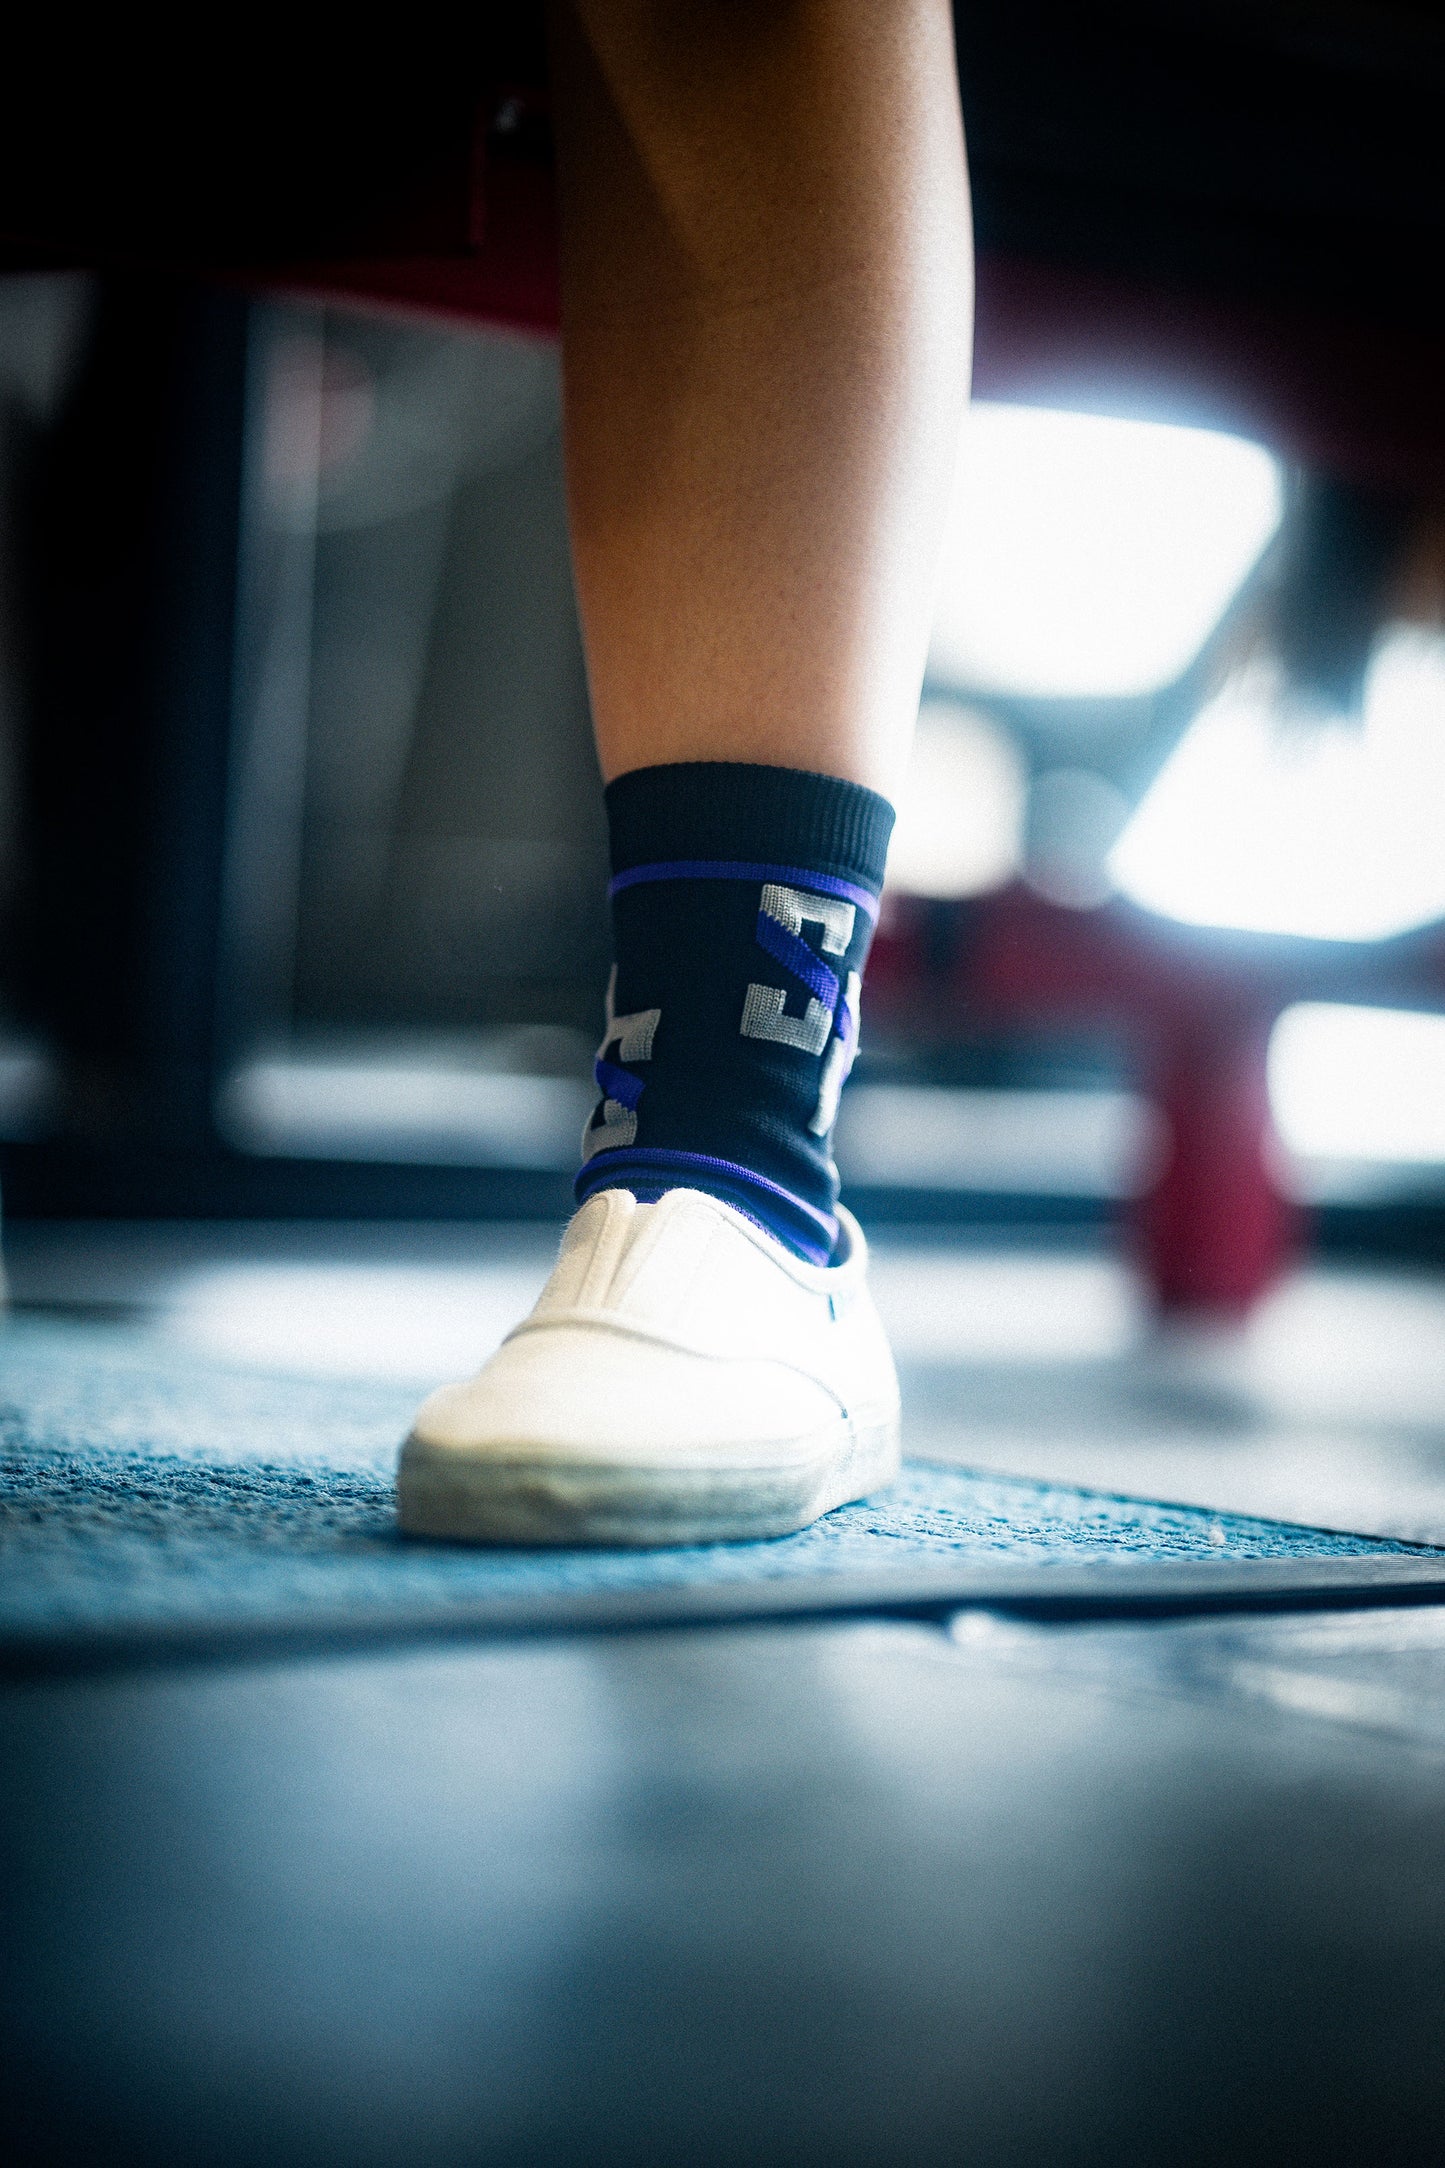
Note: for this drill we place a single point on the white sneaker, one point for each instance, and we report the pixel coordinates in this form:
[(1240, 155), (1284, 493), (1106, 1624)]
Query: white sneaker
[(682, 1379)]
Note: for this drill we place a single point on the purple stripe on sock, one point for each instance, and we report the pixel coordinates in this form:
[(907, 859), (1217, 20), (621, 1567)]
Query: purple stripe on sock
[(737, 869), (614, 1164), (795, 955), (618, 1084)]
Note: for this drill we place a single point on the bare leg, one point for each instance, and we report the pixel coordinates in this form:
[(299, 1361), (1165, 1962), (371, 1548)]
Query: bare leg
[(766, 324), (767, 318)]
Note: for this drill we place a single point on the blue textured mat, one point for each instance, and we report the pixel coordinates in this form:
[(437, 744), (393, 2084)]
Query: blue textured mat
[(148, 1493)]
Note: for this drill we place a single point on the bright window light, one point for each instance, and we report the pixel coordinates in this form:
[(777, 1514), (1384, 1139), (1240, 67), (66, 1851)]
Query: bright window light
[(432, 1113), (1359, 1084), (1090, 558), (1333, 830), (960, 812)]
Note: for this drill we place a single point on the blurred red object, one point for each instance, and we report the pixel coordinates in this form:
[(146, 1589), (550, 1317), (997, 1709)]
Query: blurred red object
[(1194, 1007)]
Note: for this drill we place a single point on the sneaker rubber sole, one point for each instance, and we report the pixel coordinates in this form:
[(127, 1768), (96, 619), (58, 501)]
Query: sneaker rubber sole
[(532, 1499)]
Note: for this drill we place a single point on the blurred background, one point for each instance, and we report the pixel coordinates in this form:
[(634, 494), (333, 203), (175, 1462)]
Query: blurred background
[(303, 944), (302, 858)]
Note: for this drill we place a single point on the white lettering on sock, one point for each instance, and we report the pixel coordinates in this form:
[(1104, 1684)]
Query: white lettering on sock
[(792, 906), (764, 1007), (632, 1036), (764, 1017)]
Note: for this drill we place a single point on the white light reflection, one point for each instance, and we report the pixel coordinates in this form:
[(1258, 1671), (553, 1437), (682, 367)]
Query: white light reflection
[(1334, 831), (940, 1305), (960, 812), (1359, 1084), (1029, 1142), (1089, 557), (435, 1112), (411, 1324)]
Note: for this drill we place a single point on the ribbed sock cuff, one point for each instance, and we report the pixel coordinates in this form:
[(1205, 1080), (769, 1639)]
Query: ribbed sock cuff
[(740, 810)]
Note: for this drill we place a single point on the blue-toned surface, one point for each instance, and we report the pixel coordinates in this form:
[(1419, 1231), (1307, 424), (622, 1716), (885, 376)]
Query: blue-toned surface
[(141, 1487)]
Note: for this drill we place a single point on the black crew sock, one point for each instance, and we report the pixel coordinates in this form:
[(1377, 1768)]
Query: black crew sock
[(743, 902)]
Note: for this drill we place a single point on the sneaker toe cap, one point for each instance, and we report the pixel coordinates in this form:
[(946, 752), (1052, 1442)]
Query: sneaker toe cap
[(577, 1393)]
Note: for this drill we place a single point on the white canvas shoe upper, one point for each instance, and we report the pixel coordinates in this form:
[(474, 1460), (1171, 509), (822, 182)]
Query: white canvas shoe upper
[(681, 1377)]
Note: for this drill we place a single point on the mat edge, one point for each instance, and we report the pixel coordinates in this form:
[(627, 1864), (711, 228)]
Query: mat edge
[(1183, 1588)]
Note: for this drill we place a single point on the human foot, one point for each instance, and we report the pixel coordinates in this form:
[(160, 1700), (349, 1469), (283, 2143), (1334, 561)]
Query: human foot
[(682, 1379)]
